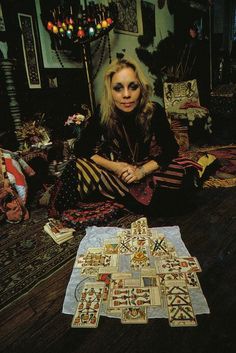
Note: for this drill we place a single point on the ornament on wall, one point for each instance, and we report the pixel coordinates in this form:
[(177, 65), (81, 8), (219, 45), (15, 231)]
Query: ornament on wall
[(29, 50), (129, 17)]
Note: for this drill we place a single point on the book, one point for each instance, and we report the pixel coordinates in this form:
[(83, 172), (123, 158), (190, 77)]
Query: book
[(58, 231)]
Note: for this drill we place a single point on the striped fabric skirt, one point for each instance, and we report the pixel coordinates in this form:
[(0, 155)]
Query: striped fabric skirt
[(82, 179)]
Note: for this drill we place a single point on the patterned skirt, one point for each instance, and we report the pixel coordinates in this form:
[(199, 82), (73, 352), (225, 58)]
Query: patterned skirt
[(83, 180)]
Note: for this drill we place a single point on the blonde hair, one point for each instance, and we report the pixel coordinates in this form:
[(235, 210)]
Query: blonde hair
[(108, 114)]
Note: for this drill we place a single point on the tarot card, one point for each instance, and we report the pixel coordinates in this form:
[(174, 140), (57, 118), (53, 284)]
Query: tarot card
[(192, 280), (117, 283), (87, 311), (130, 296), (180, 310), (124, 233), (160, 246), (99, 259), (141, 222), (139, 259), (118, 279), (79, 261), (170, 277), (149, 271), (140, 242), (106, 278), (140, 227), (125, 246), (89, 271), (180, 264), (121, 275), (108, 269), (132, 282), (93, 257), (94, 251), (134, 315), (111, 246)]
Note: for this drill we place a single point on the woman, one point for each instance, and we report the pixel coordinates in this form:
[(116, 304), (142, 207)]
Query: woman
[(135, 148)]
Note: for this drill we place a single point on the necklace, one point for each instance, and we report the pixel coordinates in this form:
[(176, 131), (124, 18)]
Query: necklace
[(133, 151)]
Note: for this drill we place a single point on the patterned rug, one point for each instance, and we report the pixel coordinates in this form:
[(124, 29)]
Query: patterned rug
[(224, 173), (28, 255)]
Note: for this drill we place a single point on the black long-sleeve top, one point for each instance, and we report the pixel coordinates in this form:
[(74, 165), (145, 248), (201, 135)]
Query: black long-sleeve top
[(127, 142)]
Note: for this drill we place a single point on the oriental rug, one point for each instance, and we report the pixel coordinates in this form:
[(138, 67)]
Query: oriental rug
[(224, 171), (28, 255), (225, 174)]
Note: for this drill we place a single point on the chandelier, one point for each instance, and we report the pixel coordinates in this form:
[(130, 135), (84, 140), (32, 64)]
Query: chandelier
[(80, 24)]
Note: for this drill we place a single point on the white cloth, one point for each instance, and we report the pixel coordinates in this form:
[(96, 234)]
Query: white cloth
[(94, 238)]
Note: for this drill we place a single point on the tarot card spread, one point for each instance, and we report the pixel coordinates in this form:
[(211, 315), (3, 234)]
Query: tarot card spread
[(155, 277)]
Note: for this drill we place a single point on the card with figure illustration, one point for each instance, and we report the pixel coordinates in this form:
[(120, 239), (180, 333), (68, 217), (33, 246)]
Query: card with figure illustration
[(88, 308), (134, 315)]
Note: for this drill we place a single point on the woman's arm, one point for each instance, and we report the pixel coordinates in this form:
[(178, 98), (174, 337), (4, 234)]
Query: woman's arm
[(117, 168), (133, 174), (126, 172)]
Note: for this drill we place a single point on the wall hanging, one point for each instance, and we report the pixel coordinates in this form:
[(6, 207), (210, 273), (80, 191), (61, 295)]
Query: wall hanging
[(29, 50), (129, 17)]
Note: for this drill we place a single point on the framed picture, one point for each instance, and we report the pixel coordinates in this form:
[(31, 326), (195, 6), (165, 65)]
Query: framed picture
[(129, 19), (29, 50)]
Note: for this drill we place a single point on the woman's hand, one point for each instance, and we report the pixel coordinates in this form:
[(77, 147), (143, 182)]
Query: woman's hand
[(132, 174), (120, 168)]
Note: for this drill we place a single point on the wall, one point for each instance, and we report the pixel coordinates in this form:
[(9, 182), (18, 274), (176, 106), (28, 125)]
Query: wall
[(164, 23), (72, 88)]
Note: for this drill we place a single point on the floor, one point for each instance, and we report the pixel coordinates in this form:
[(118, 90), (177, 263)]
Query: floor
[(35, 322)]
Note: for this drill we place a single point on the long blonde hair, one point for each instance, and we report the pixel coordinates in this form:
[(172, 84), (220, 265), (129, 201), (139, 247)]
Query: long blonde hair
[(108, 114)]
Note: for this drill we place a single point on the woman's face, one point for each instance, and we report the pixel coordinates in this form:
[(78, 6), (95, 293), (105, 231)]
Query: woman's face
[(125, 89)]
